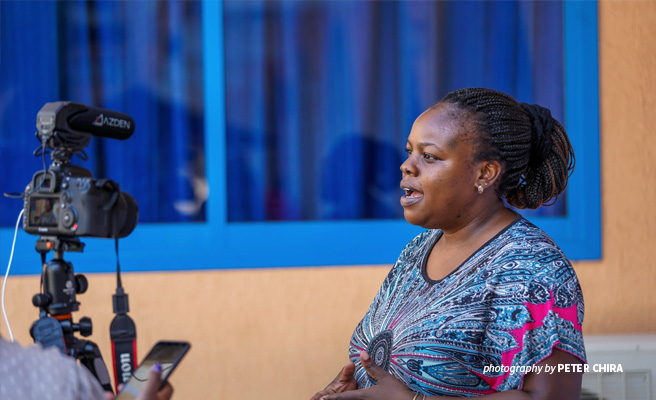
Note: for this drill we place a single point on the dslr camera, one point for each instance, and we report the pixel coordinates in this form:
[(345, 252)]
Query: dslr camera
[(65, 200)]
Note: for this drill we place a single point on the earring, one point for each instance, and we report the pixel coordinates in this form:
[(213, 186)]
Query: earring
[(480, 189)]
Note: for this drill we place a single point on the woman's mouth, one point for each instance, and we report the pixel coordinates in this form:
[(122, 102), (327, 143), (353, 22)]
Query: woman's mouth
[(411, 197)]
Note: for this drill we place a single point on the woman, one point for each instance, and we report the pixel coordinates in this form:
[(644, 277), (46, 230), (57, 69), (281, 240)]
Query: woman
[(483, 303), (48, 217)]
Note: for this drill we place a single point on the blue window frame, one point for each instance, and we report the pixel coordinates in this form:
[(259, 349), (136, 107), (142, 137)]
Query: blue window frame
[(217, 243)]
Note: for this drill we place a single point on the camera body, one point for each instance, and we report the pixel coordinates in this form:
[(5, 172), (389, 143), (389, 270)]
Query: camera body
[(69, 202), (65, 200)]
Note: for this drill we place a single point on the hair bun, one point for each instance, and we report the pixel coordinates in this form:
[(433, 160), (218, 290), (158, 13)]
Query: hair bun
[(542, 124)]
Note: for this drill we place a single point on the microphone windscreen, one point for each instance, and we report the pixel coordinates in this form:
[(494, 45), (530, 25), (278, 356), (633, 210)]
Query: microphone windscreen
[(102, 122)]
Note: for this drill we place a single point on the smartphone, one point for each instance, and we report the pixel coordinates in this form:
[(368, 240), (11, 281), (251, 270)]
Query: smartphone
[(168, 354)]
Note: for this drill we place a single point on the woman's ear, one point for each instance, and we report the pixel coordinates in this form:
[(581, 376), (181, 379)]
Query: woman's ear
[(489, 173)]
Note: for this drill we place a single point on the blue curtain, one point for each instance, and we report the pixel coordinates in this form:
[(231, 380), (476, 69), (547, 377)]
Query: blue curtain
[(142, 58), (321, 95)]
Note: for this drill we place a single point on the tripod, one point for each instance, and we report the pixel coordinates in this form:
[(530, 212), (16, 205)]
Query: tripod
[(57, 301)]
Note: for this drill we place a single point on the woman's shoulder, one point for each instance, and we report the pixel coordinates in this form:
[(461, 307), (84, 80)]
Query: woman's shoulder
[(525, 241), (419, 243), (525, 230), (525, 252), (412, 254), (528, 258)]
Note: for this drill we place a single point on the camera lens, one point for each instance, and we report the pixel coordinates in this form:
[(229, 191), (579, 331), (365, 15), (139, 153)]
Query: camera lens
[(129, 211)]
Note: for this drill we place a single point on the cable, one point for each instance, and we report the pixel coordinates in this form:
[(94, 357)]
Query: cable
[(43, 155), (4, 282), (118, 267)]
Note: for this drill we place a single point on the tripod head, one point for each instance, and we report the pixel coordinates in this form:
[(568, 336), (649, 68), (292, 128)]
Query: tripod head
[(59, 282)]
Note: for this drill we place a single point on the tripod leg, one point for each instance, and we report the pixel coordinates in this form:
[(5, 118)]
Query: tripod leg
[(89, 355)]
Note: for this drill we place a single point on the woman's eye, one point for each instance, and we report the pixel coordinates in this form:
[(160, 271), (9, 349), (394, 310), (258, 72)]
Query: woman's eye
[(429, 157), (409, 151)]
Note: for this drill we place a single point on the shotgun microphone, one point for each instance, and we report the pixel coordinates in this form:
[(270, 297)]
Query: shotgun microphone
[(101, 122), (71, 125)]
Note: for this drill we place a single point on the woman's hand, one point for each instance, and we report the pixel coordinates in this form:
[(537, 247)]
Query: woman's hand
[(344, 381), (545, 386), (387, 386)]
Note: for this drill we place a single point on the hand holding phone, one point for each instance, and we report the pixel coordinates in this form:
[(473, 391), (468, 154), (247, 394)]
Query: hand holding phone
[(167, 354), (153, 389)]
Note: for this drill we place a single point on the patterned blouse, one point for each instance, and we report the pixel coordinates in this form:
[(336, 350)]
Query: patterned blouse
[(481, 328)]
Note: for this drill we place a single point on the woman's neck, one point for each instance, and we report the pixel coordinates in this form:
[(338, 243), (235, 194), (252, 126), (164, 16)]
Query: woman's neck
[(481, 227)]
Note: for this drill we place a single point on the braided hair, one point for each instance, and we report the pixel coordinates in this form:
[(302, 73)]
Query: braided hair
[(535, 153)]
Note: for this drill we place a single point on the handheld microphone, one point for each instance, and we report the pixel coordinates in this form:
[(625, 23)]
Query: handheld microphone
[(123, 333)]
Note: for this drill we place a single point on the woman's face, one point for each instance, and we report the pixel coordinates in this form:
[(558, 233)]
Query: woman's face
[(439, 175)]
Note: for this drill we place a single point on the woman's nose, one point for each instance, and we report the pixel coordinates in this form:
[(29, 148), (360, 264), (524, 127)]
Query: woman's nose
[(408, 167)]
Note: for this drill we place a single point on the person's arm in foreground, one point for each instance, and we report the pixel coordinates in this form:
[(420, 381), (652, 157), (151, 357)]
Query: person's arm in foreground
[(556, 386)]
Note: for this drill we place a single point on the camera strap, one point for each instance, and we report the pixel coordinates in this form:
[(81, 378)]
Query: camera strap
[(123, 332)]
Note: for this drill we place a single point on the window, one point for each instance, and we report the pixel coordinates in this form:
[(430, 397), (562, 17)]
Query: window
[(305, 232), (79, 51)]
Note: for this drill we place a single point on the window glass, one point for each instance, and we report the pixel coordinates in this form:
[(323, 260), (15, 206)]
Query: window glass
[(140, 58), (321, 95)]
